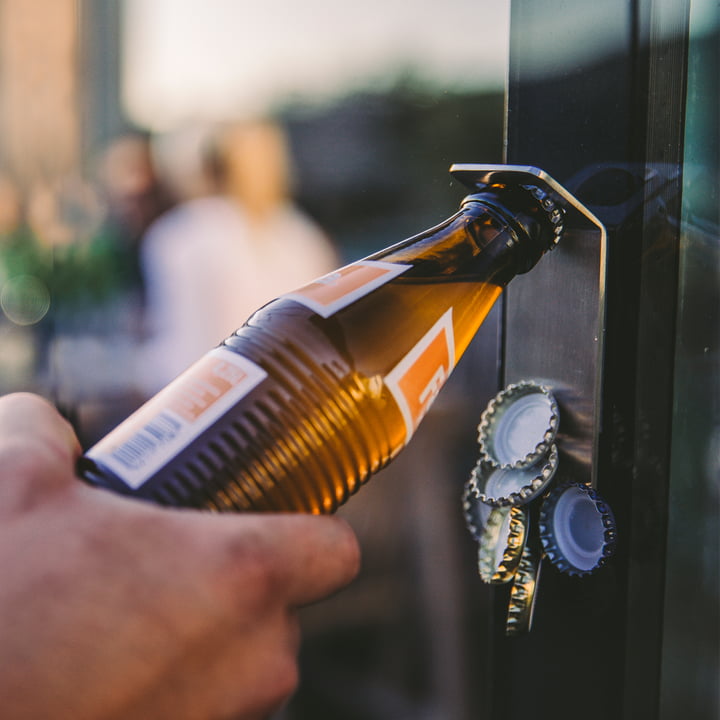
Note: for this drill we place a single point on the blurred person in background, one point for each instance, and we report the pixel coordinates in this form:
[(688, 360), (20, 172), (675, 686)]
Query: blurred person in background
[(212, 261), (91, 229), (134, 197)]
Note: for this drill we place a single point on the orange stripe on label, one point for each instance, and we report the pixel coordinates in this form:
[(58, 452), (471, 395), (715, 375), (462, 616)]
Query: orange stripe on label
[(332, 287), (417, 379), (339, 289), (210, 380)]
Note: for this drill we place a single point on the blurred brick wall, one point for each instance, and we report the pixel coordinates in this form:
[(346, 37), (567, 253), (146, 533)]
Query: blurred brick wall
[(39, 93)]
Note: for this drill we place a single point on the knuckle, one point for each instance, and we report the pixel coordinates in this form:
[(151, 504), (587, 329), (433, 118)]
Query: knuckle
[(26, 476), (246, 571)]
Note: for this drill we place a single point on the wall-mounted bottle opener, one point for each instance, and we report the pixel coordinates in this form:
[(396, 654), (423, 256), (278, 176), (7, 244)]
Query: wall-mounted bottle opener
[(532, 494)]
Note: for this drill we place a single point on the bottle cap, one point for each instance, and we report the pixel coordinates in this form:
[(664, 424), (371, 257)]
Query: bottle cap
[(519, 425), (501, 544), (523, 592), (500, 486), (475, 511), (554, 212), (577, 529)]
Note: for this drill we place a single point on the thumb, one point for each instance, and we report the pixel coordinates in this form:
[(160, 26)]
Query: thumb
[(38, 449)]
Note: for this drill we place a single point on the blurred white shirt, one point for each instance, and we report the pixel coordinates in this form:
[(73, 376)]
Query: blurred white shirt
[(207, 269)]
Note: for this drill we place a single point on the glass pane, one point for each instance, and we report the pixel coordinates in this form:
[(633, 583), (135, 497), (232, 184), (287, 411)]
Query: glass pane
[(691, 666)]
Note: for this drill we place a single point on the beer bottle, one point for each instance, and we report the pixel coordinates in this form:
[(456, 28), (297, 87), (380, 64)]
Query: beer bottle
[(324, 386)]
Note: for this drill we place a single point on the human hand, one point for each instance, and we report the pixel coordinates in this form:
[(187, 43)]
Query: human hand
[(116, 608)]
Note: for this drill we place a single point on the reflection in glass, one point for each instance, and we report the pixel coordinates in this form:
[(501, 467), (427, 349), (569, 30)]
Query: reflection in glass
[(691, 662)]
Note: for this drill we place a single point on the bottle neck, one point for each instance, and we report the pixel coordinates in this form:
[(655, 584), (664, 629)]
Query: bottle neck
[(497, 233), (529, 226)]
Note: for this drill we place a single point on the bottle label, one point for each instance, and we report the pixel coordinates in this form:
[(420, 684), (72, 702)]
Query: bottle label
[(177, 415), (338, 289), (417, 379)]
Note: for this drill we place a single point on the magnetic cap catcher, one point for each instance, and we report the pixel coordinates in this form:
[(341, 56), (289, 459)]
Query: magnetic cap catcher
[(518, 425)]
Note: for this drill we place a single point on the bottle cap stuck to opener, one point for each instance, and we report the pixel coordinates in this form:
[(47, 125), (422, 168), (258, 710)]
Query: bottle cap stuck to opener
[(519, 425), (501, 486), (523, 592), (501, 544), (475, 511), (577, 529)]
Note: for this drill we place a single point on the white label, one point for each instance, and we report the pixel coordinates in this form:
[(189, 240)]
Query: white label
[(338, 289), (171, 420)]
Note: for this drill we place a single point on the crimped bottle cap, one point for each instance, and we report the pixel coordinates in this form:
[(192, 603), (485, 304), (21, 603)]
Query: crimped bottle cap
[(522, 595), (501, 486), (475, 511), (518, 425), (501, 544), (577, 529)]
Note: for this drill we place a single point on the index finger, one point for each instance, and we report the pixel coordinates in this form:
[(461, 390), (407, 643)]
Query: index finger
[(306, 557)]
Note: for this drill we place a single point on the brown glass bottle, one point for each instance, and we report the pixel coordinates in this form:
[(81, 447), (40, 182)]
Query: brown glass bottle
[(324, 386)]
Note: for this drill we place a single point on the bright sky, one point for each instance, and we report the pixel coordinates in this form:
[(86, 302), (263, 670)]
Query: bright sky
[(197, 59)]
